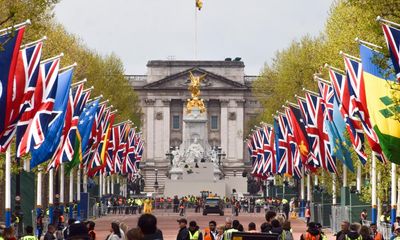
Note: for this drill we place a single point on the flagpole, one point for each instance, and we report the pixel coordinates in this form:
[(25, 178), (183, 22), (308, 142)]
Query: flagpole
[(398, 196), (112, 184), (302, 193), (71, 193), (373, 193), (393, 194), (39, 195), (62, 181), (100, 185), (84, 179), (334, 189), (51, 195), (78, 192), (358, 183), (77, 83), (17, 26), (67, 68), (334, 68), (8, 187), (349, 56), (309, 187), (195, 33), (104, 184), (33, 43), (52, 58)]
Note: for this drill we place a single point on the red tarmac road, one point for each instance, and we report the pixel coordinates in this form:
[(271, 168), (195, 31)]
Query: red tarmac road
[(166, 221)]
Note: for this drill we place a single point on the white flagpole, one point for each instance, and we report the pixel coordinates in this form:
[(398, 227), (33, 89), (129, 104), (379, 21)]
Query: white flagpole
[(359, 178), (398, 196), (100, 185), (39, 192), (344, 176), (334, 189), (8, 187), (62, 182), (78, 192), (309, 187), (302, 193), (374, 213), (71, 192), (112, 184), (104, 183), (51, 194), (393, 194), (84, 180)]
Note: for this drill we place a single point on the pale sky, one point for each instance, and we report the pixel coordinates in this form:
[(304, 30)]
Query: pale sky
[(142, 30)]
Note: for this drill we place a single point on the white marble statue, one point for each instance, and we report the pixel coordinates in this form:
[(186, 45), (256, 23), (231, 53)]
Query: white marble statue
[(214, 157), (194, 153), (176, 161)]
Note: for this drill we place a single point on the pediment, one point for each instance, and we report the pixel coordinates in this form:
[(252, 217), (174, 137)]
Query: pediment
[(181, 81)]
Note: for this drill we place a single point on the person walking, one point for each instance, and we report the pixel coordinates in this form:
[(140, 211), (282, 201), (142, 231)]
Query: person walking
[(51, 229), (115, 232), (148, 225), (194, 232), (220, 233), (183, 233), (211, 232), (90, 226), (374, 232), (312, 232), (29, 234), (341, 235)]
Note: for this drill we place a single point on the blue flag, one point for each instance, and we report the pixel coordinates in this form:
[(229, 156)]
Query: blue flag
[(339, 144), (53, 137), (86, 120)]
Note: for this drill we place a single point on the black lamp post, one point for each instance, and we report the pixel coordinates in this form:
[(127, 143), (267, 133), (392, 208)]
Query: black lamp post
[(156, 182)]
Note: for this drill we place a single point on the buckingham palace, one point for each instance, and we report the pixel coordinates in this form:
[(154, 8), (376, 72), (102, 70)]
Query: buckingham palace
[(163, 93)]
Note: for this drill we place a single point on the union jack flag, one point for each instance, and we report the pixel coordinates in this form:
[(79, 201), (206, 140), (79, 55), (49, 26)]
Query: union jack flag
[(23, 85), (316, 128), (328, 97), (10, 43), (312, 162), (95, 136), (353, 125), (283, 152), (257, 163), (392, 36), (269, 151), (76, 102), (119, 135), (294, 149), (358, 101), (44, 98), (129, 160)]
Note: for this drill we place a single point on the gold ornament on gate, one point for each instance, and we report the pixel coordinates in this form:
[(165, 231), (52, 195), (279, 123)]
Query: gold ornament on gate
[(194, 88)]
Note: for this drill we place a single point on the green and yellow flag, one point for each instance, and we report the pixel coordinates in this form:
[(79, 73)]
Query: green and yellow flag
[(382, 97)]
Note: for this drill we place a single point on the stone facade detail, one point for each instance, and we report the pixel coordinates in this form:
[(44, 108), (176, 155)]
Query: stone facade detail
[(163, 92)]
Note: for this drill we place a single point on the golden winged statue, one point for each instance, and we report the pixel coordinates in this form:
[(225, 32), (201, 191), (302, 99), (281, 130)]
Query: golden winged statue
[(194, 88)]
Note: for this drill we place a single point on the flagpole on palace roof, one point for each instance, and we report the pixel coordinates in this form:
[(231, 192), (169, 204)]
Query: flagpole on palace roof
[(27, 22), (44, 38), (68, 67), (349, 56), (310, 92), (52, 58), (367, 43), (334, 68)]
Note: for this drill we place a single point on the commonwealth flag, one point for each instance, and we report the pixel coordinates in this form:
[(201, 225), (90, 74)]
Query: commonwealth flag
[(380, 94)]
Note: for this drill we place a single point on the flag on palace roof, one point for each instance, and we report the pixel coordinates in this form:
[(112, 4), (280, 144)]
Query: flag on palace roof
[(382, 108)]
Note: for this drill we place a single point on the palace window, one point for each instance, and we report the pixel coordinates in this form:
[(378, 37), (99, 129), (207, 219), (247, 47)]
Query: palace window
[(176, 122), (214, 122)]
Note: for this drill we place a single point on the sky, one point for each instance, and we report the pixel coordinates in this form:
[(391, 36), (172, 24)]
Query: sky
[(142, 30)]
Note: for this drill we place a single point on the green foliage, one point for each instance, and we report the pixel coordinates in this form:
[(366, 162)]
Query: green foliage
[(293, 68), (105, 73)]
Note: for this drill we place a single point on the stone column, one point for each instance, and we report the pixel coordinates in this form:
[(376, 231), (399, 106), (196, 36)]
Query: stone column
[(148, 128), (224, 124)]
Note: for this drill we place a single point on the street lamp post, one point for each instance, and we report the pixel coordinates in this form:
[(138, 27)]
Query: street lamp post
[(169, 155), (156, 182), (220, 155)]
